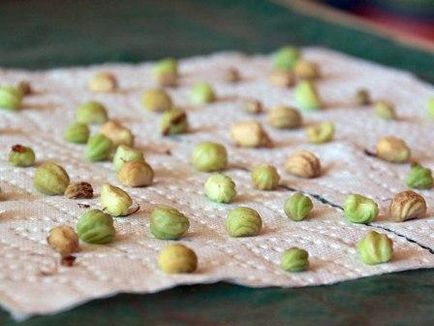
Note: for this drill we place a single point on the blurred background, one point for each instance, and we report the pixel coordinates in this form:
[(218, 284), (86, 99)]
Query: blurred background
[(39, 34), (411, 17)]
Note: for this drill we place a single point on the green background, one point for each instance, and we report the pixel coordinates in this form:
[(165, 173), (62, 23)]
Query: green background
[(43, 34)]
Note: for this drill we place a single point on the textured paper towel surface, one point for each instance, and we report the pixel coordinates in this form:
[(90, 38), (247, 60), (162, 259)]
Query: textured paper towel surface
[(31, 280)]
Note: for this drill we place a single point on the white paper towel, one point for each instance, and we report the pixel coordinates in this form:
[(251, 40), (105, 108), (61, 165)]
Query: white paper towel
[(31, 280)]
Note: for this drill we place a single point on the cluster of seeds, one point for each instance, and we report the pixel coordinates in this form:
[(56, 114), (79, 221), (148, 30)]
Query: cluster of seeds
[(115, 141)]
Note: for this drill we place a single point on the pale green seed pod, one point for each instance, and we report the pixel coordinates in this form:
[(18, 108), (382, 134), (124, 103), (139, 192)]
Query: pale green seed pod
[(306, 96), (118, 134), (202, 93), (295, 260), (284, 117), (10, 98), (115, 201), (220, 188), (136, 174), (165, 72), (77, 133), (167, 223), (285, 58), (306, 69), (430, 107), (173, 122), (265, 177), (51, 179), (98, 148), (95, 226), (176, 259), (298, 206), (407, 205), (125, 154), (63, 239), (360, 209), (104, 82), (362, 97), (209, 157), (21, 156), (91, 112), (322, 132), (419, 177), (393, 149), (243, 222), (157, 100), (375, 248), (385, 110)]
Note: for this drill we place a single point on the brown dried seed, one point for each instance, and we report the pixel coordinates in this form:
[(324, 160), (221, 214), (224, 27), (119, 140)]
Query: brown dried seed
[(303, 164), (63, 239), (282, 78), (79, 190), (232, 75), (250, 134), (407, 205), (253, 106)]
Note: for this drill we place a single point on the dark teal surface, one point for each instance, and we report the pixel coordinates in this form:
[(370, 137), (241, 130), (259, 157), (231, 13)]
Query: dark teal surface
[(48, 33), (41, 34)]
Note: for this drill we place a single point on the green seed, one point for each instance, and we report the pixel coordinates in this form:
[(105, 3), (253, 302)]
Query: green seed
[(91, 113), (209, 157), (125, 154), (22, 156), (385, 110), (77, 133), (95, 226), (173, 122), (10, 98), (285, 58), (306, 96), (360, 209), (375, 248), (298, 206), (265, 177), (98, 148), (202, 93), (177, 258), (419, 177), (322, 132), (115, 201), (295, 260), (430, 107), (165, 72), (167, 223), (220, 188), (157, 100), (243, 222), (51, 179)]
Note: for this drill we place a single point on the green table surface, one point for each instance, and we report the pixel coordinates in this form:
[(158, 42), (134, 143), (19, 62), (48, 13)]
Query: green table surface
[(43, 34)]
